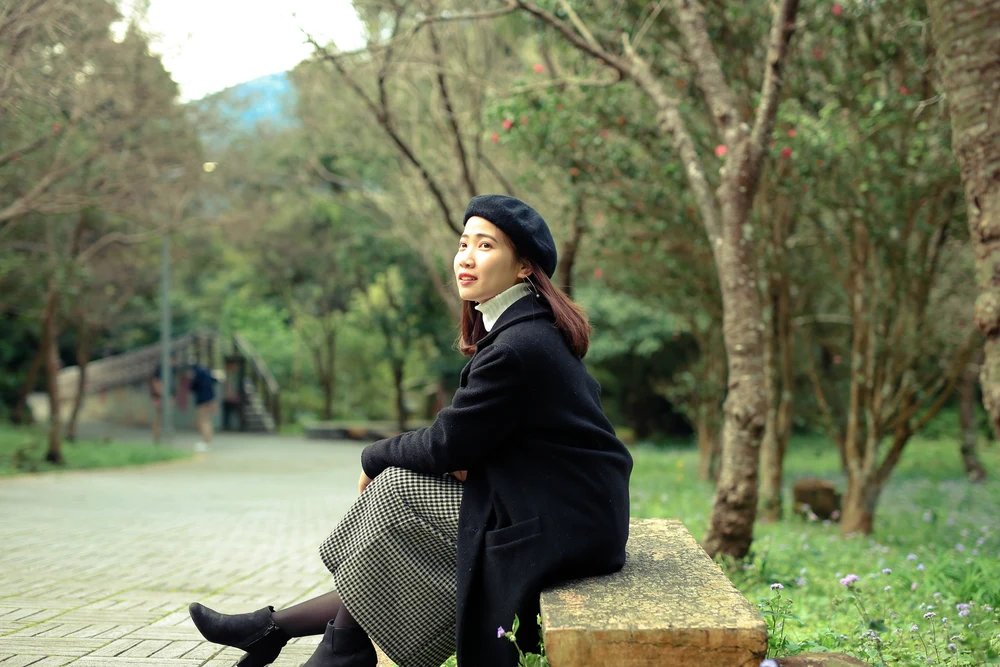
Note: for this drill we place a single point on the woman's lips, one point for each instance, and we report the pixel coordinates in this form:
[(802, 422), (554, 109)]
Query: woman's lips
[(466, 280)]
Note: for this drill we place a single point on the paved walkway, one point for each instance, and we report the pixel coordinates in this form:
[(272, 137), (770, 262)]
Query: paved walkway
[(97, 568)]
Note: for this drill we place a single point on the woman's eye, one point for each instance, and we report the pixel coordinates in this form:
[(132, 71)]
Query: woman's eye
[(485, 245), (461, 246)]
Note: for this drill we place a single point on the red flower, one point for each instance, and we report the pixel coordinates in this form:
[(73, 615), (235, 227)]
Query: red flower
[(817, 53), (539, 68), (507, 123), (786, 152), (598, 273), (604, 133), (792, 133), (721, 150), (837, 9), (495, 138), (903, 90)]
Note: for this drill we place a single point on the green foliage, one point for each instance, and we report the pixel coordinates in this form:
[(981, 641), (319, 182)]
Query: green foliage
[(525, 659), (928, 510), (22, 450)]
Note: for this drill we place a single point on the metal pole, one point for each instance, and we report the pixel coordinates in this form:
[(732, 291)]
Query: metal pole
[(167, 428)]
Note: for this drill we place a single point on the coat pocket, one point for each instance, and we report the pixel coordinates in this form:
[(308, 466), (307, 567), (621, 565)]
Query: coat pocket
[(510, 534)]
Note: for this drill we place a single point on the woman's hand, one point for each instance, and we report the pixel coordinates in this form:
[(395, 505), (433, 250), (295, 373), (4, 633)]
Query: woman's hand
[(363, 482), (460, 475)]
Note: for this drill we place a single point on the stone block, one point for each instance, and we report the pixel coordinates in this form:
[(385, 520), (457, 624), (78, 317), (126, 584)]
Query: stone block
[(818, 496), (821, 660), (669, 605)]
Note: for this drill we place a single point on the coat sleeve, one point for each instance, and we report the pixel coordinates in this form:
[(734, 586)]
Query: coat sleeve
[(482, 415)]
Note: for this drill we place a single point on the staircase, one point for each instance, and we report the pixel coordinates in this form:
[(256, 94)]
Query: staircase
[(256, 417), (249, 389)]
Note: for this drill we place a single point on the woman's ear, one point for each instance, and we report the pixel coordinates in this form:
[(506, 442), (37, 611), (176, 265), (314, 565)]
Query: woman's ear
[(524, 272)]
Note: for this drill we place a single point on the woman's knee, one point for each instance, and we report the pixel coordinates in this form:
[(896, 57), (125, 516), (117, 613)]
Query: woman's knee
[(392, 478)]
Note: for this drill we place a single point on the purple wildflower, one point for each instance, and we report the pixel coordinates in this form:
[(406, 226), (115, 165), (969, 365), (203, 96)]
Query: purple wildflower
[(914, 628), (930, 614), (959, 547), (913, 586), (920, 567), (848, 580), (801, 581), (911, 557), (500, 631), (952, 647), (937, 594), (776, 587), (887, 589), (962, 605), (886, 571), (769, 663), (963, 613)]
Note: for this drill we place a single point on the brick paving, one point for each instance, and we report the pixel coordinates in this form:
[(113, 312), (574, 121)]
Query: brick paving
[(97, 568)]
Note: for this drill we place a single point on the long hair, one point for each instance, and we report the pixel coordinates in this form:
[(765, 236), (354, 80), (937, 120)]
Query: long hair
[(571, 320)]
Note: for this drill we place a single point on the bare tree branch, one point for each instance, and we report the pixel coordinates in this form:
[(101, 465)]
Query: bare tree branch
[(718, 94), (382, 115), (504, 181), (575, 19), (590, 47), (449, 113), (648, 22), (26, 149), (564, 83), (510, 8), (782, 27), (672, 125)]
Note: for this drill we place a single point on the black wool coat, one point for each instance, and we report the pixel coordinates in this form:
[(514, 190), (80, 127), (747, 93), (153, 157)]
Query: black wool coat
[(546, 498)]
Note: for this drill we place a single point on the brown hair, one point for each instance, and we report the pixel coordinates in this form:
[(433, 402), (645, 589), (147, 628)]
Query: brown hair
[(571, 320)]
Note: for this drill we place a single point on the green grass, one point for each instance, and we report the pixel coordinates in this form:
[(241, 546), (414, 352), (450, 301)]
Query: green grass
[(951, 527), (22, 450)]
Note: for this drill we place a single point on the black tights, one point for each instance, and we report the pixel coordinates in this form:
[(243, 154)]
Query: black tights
[(311, 617)]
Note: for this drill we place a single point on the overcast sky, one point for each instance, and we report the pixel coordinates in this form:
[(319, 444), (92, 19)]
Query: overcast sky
[(208, 45)]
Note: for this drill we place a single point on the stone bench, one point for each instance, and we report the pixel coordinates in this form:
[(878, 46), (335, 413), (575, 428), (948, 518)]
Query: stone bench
[(669, 605)]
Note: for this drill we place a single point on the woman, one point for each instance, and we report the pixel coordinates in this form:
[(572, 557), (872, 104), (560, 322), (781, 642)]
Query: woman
[(426, 562)]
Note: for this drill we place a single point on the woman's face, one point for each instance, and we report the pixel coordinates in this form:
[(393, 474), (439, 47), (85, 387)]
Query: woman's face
[(485, 263)]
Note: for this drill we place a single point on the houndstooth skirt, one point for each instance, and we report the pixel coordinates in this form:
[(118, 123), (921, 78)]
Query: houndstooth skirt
[(393, 559)]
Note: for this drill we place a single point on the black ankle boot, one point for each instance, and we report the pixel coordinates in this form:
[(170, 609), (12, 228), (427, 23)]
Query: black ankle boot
[(343, 647), (255, 633)]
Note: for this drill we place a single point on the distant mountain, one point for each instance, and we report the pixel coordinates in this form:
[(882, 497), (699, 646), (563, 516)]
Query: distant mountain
[(267, 100)]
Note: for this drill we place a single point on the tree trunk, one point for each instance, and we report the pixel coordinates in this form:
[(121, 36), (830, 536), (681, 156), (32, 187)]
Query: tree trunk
[(974, 469), (735, 506), (858, 514), (778, 363), (51, 351), (397, 379), (82, 359), (17, 415), (571, 249), (967, 38), (708, 445), (329, 376)]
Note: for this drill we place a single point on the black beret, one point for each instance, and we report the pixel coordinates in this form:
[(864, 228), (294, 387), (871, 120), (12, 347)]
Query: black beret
[(525, 227)]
